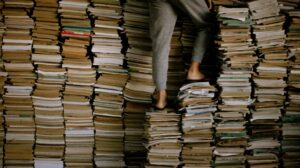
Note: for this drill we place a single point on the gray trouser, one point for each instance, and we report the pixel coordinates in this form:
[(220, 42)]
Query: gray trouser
[(163, 14)]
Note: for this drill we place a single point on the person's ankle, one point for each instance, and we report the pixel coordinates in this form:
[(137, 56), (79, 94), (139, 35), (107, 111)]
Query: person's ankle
[(161, 99), (195, 75)]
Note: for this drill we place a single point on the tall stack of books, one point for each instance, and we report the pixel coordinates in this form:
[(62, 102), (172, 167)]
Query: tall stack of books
[(47, 96), (270, 84), (18, 106), (197, 101), (162, 134), (291, 118), (238, 55), (79, 131), (176, 73), (3, 76), (108, 102), (140, 86)]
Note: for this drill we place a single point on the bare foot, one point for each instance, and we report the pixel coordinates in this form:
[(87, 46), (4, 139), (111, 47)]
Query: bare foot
[(194, 72), (161, 99)]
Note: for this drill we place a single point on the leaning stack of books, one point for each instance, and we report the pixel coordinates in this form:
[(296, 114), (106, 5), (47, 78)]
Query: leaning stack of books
[(50, 142), (238, 55), (79, 131), (162, 134), (3, 76), (108, 101), (291, 118), (140, 86), (269, 79), (198, 103), (18, 106)]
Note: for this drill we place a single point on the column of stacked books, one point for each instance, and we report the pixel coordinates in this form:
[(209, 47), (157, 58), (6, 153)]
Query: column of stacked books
[(162, 136), (238, 56), (197, 101), (47, 96), (108, 101), (79, 131), (18, 106), (291, 118), (3, 76), (176, 73), (269, 79), (140, 86)]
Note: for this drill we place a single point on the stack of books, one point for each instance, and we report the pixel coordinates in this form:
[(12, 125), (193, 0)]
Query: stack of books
[(134, 119), (108, 120), (162, 136), (47, 96), (45, 34), (3, 76), (139, 56), (293, 35), (234, 40), (291, 118), (18, 106), (198, 103), (140, 86), (79, 131), (269, 79), (16, 47), (108, 101), (176, 73), (238, 55), (106, 43)]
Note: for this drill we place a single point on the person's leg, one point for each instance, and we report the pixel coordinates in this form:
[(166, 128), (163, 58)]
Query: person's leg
[(199, 12), (163, 19)]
